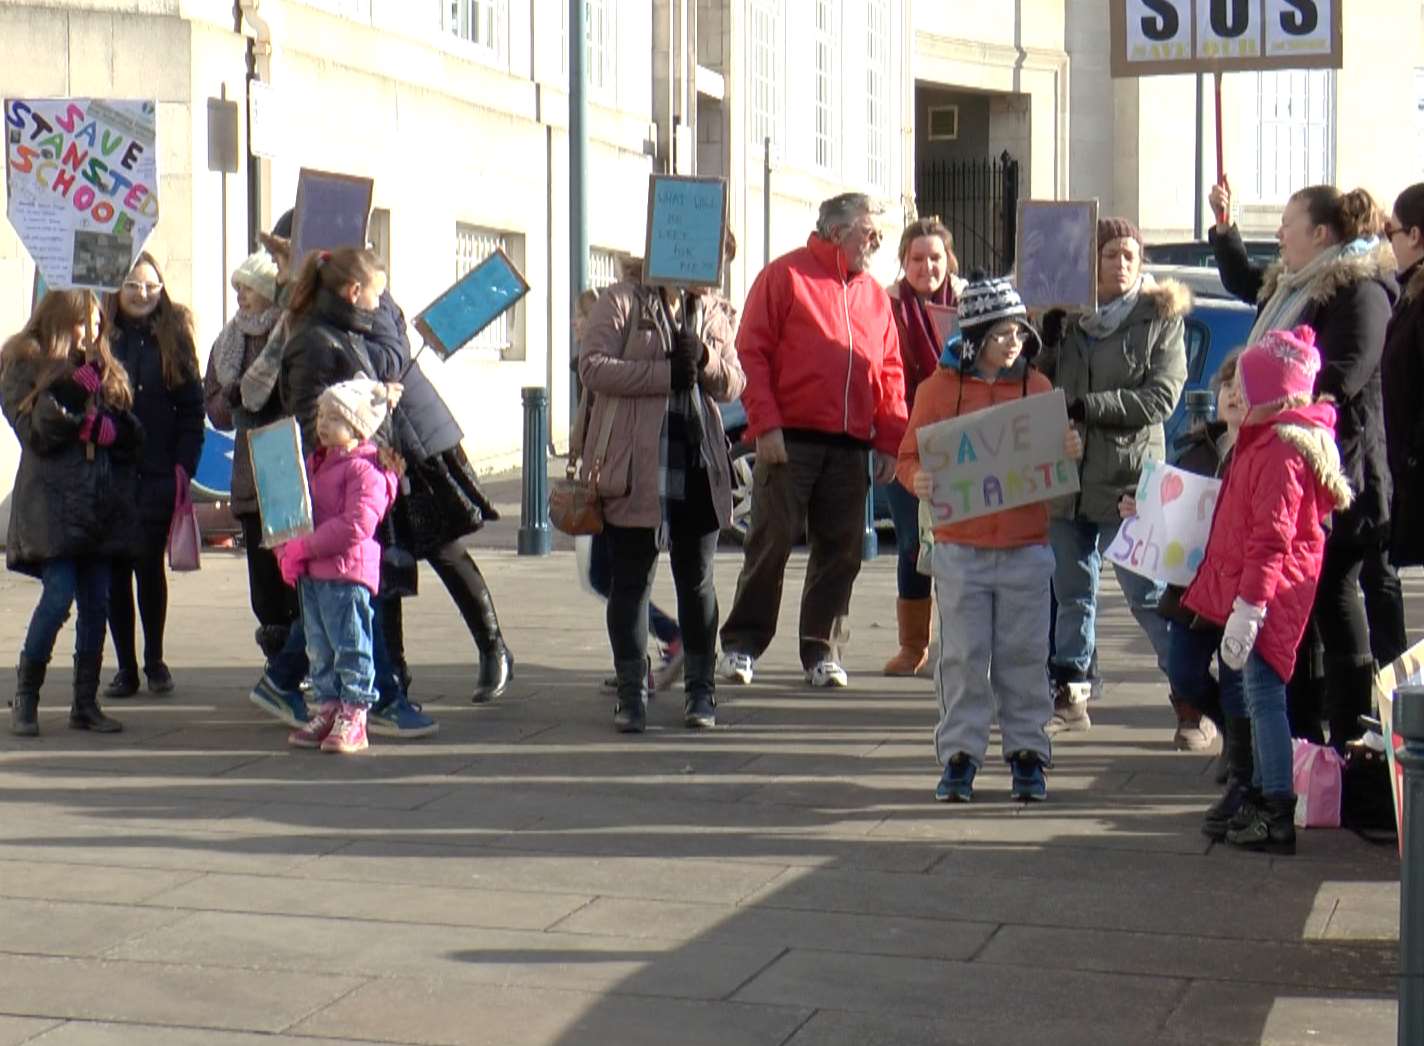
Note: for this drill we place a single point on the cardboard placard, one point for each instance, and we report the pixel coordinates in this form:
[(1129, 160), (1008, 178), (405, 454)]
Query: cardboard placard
[(1166, 539), (998, 458), (82, 181), (945, 321), (1405, 670), (474, 302), (280, 474), (1057, 255), (1170, 37), (332, 211), (687, 228)]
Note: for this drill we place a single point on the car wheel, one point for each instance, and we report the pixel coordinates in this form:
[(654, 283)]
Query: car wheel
[(743, 460)]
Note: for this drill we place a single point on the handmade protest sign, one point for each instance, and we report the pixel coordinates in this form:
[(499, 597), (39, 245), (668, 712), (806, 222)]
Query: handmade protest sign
[(998, 458), (283, 495), (331, 212), (945, 321), (81, 176), (1166, 539), (1058, 254), (687, 224), (471, 304), (1164, 37)]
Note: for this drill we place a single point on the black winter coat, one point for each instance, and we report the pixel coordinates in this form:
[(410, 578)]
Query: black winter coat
[(423, 424), (327, 346), (1403, 377), (1349, 307), (65, 505), (172, 421)]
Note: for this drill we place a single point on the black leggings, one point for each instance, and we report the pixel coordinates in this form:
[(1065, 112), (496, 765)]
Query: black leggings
[(460, 574), (149, 572), (274, 602)]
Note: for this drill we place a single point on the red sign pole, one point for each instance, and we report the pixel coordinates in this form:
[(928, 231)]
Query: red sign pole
[(1221, 216)]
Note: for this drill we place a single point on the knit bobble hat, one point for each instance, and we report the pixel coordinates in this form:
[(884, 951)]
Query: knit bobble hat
[(1281, 364), (258, 273), (984, 302), (1110, 229), (362, 403)]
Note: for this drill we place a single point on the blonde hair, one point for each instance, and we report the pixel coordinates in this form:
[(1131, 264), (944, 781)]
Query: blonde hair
[(49, 336)]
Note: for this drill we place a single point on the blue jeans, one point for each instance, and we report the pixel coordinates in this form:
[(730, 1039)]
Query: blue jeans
[(1265, 697), (905, 513), (1078, 546), (337, 620), (288, 668), (388, 685), (70, 582), (1189, 659)]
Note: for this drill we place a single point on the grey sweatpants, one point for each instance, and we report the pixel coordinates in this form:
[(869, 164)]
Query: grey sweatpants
[(993, 649)]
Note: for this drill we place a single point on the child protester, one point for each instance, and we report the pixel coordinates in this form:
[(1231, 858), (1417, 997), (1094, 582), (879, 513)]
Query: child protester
[(1263, 560), (991, 573), (337, 567)]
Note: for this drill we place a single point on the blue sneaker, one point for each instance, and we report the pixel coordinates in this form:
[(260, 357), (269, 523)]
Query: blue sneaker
[(1030, 785), (287, 705), (400, 718), (957, 784)]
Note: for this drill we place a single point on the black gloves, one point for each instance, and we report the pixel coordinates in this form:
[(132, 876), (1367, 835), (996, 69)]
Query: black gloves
[(1052, 327), (688, 356), (1077, 411)]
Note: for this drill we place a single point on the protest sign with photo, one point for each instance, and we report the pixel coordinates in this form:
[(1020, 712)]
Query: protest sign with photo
[(474, 302), (687, 226), (332, 211), (1057, 264), (1166, 540), (998, 458), (81, 176)]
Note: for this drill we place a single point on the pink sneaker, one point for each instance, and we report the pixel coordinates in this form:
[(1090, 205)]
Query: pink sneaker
[(349, 732), (317, 727)]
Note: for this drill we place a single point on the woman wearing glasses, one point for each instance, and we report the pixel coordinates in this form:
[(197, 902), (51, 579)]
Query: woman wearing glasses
[(1403, 373), (1122, 368), (153, 340)]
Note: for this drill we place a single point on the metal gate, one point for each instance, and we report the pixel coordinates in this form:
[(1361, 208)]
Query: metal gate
[(978, 200)]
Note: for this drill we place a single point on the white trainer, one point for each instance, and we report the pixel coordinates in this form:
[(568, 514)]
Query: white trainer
[(827, 674), (733, 667)]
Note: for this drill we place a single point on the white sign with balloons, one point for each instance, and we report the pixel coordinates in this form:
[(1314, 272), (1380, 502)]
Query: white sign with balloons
[(1166, 539)]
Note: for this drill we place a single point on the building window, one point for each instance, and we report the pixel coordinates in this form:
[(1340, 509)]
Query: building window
[(877, 93), (604, 268), (764, 37), (1295, 112), (602, 46), (825, 84), (943, 123), (481, 22), (504, 338)]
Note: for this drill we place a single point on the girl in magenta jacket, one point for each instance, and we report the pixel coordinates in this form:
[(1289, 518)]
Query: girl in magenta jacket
[(1263, 561), (337, 567)]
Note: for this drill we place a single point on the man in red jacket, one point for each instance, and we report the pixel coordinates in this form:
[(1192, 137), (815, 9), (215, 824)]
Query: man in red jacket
[(824, 387)]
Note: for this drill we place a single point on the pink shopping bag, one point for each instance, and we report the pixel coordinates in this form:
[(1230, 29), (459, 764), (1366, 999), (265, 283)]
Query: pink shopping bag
[(1316, 778), (184, 539)]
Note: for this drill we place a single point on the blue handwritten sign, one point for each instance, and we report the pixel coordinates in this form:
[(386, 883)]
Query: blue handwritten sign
[(332, 211), (687, 223), (283, 495), (472, 304)]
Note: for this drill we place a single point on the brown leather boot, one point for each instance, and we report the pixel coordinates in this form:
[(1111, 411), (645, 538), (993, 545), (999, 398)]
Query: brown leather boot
[(914, 618)]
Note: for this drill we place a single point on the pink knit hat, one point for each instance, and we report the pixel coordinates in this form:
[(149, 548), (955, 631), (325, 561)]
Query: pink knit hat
[(1281, 364)]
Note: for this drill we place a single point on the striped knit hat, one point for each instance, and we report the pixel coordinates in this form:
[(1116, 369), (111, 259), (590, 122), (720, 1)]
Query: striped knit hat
[(986, 301)]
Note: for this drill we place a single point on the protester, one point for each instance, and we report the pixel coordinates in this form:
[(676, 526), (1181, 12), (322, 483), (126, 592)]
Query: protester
[(658, 362), (1263, 561), (1402, 374), (824, 387), (1337, 277), (1122, 368), (237, 346), (74, 506), (991, 573), (152, 338), (338, 565), (931, 277)]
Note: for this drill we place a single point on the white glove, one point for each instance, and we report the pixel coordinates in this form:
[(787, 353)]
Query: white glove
[(1239, 636)]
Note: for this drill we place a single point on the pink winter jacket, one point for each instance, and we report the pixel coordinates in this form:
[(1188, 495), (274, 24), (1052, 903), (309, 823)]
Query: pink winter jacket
[(350, 495), (1268, 531)]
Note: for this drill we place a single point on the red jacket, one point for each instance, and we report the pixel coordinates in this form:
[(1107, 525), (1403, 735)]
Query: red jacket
[(1267, 532), (820, 351)]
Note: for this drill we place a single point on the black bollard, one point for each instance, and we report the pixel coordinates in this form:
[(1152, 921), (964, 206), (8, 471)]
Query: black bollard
[(1200, 406), (1409, 724), (535, 536)]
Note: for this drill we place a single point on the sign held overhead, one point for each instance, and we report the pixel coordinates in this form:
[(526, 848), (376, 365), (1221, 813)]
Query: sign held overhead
[(1165, 37)]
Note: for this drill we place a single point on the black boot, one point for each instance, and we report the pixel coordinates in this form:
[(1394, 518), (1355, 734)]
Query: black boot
[(496, 670), (1349, 693), (271, 639), (699, 710), (24, 709), (1271, 829), (630, 715), (1240, 763), (85, 713)]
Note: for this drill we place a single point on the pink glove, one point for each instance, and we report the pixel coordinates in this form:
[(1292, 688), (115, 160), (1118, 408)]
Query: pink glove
[(98, 428), (292, 561), (87, 378)]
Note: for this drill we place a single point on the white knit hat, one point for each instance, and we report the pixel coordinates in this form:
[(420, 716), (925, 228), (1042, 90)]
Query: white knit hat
[(258, 273), (361, 402)]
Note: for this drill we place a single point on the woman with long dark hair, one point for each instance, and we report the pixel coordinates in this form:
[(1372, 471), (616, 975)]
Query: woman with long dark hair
[(1402, 371), (153, 341)]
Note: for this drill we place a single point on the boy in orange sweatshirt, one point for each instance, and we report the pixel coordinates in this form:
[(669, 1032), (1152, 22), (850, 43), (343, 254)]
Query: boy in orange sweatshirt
[(991, 573)]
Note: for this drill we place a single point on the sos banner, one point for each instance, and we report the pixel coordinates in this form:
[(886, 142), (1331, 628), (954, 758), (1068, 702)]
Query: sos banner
[(1161, 37)]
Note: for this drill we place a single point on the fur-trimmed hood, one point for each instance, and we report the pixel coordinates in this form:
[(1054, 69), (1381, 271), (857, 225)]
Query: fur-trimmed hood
[(1171, 299), (1311, 432), (1374, 263)]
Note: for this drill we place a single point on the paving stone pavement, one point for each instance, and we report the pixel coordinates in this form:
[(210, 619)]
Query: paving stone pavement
[(530, 877)]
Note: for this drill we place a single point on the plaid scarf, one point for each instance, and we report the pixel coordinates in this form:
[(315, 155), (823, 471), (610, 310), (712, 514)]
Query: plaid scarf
[(682, 444)]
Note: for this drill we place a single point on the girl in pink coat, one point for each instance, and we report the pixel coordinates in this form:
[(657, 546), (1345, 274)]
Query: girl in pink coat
[(337, 567), (1263, 558)]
